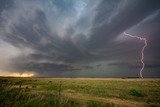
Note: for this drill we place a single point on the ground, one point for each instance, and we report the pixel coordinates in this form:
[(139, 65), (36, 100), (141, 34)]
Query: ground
[(79, 92)]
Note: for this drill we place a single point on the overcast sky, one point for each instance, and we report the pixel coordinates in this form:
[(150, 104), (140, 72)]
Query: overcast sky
[(79, 38)]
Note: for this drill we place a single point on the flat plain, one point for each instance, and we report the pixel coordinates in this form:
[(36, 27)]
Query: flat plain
[(79, 92)]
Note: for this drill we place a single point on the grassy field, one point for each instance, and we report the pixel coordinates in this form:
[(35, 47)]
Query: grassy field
[(79, 92)]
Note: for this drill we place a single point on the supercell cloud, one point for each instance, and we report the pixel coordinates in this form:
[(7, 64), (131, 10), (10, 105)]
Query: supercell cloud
[(79, 38)]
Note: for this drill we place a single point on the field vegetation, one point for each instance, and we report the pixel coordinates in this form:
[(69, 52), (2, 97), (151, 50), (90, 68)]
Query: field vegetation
[(79, 92)]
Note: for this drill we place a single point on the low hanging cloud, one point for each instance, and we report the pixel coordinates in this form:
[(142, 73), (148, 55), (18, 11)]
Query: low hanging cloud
[(53, 37)]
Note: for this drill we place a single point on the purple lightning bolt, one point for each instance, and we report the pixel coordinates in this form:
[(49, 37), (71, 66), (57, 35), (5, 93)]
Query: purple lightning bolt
[(142, 50)]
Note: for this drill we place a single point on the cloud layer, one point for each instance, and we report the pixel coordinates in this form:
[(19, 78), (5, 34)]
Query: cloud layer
[(78, 37)]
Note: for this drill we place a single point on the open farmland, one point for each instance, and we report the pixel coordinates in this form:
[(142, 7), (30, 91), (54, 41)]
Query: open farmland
[(79, 92)]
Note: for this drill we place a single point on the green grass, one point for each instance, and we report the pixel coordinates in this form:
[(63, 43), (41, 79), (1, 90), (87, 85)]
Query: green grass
[(137, 93), (63, 92)]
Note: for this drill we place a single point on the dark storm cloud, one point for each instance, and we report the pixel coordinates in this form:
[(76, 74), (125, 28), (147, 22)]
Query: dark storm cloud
[(148, 28), (55, 36), (128, 13), (135, 65), (151, 27), (87, 67), (44, 67), (5, 4)]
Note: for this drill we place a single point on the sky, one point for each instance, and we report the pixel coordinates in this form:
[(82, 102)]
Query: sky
[(79, 38)]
